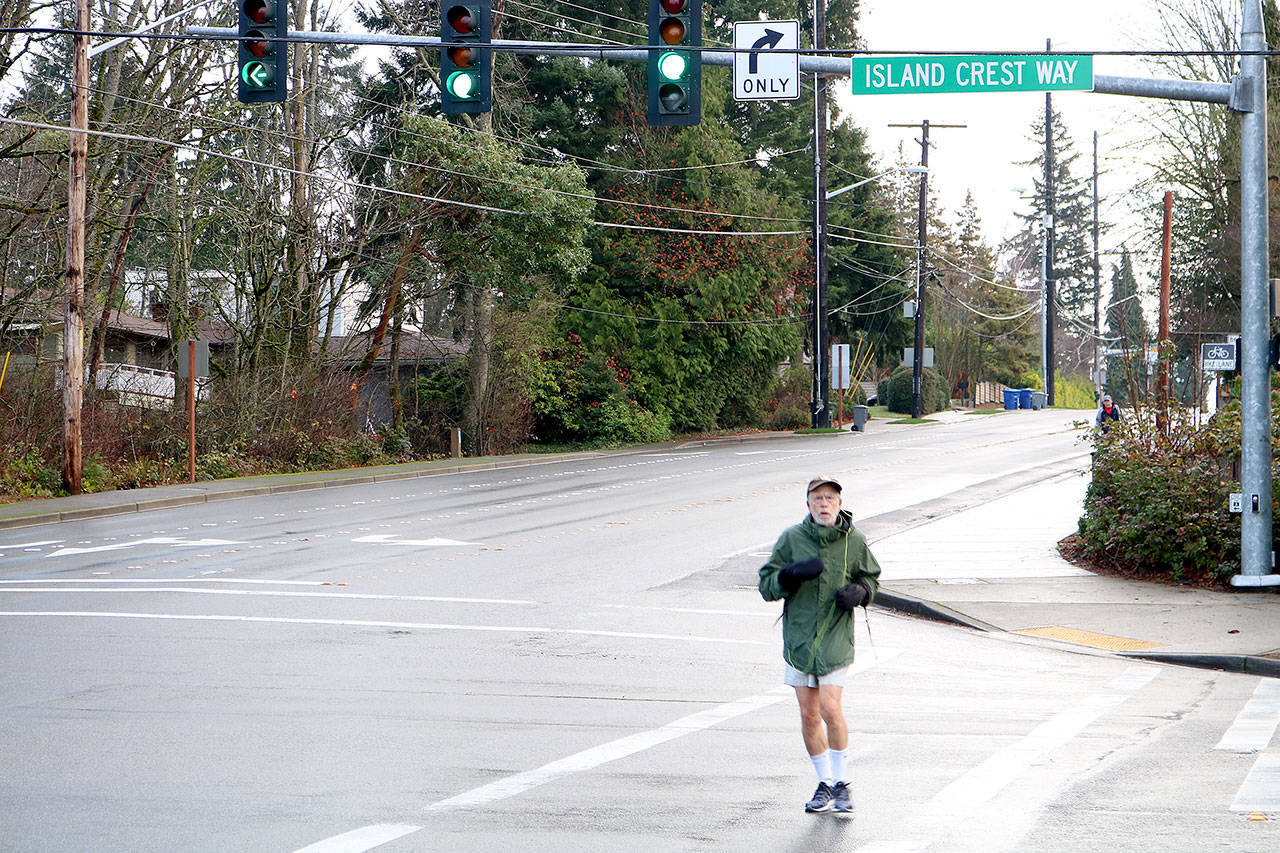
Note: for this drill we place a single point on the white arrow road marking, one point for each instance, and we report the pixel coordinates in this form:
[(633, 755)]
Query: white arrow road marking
[(30, 544), (394, 539), (157, 540)]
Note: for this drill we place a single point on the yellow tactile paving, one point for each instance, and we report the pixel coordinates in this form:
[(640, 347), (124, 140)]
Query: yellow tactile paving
[(1088, 638)]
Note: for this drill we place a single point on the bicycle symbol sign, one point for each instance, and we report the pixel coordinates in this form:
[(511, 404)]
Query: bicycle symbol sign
[(1218, 356)]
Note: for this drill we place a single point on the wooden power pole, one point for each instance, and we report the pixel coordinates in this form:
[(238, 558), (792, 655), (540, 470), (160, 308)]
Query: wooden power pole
[(73, 314)]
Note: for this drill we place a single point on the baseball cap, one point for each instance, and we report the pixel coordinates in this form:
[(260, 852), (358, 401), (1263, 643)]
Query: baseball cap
[(823, 481), (1106, 398)]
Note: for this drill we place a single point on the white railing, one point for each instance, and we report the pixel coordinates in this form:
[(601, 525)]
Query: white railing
[(146, 387)]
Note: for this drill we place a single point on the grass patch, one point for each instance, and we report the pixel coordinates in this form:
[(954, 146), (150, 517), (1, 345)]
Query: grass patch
[(914, 421), (818, 431)]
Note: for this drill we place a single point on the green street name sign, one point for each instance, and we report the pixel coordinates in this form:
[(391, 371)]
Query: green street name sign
[(904, 75)]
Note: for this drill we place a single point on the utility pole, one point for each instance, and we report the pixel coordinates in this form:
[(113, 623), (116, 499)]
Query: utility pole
[(1049, 297), (1097, 283), (922, 259), (922, 234), (1162, 354), (73, 314), (821, 416)]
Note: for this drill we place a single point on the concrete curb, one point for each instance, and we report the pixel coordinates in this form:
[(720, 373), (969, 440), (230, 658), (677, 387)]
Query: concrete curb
[(930, 610), (1249, 664)]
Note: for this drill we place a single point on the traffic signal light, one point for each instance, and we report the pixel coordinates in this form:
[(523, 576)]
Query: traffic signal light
[(466, 70), (263, 64), (675, 62)]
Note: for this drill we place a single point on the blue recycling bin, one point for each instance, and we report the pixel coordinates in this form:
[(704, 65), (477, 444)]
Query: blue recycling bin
[(1010, 398), (1024, 398)]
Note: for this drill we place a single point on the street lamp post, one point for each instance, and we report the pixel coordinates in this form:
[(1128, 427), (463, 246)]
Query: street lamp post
[(820, 413)]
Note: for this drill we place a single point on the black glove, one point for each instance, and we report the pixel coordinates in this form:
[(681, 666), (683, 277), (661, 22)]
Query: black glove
[(854, 595), (791, 576)]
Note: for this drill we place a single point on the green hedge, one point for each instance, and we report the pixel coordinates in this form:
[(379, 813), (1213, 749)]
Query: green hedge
[(896, 391), (1157, 505)]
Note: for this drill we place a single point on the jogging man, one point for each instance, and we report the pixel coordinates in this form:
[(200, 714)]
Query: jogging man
[(823, 569)]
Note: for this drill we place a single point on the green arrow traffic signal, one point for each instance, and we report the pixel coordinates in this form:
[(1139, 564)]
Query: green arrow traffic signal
[(263, 55), (257, 75)]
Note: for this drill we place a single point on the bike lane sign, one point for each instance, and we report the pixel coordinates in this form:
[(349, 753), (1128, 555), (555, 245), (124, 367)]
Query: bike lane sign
[(1221, 356)]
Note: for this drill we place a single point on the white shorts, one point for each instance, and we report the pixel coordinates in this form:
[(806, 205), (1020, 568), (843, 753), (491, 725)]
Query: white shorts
[(793, 677)]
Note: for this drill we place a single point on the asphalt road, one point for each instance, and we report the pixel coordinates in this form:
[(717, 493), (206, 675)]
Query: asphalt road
[(572, 656)]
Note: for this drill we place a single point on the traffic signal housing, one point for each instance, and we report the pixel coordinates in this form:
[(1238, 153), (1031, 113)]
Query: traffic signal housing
[(466, 70), (675, 62), (263, 75)]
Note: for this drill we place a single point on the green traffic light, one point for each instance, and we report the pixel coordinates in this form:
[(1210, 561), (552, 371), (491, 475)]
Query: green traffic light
[(673, 66), (462, 85), (258, 75)]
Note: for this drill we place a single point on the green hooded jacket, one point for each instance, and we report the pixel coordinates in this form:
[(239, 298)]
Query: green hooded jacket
[(817, 636)]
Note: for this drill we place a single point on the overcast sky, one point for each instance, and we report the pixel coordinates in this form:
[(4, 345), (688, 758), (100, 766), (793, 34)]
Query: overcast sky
[(980, 157)]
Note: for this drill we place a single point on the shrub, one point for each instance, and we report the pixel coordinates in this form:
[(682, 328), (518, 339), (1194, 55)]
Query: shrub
[(1157, 503), (935, 394)]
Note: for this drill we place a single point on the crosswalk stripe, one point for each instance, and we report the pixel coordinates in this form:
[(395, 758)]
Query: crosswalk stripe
[(1256, 723), (1261, 789)]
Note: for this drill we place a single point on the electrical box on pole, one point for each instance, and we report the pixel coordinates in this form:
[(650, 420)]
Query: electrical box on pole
[(466, 68), (263, 61), (675, 62)]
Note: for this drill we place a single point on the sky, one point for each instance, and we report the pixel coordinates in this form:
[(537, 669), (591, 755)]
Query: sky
[(981, 157)]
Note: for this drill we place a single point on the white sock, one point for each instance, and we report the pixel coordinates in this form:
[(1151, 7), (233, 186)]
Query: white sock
[(822, 765), (838, 760)]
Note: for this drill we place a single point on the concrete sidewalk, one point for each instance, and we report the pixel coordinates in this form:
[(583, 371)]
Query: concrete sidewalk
[(996, 567)]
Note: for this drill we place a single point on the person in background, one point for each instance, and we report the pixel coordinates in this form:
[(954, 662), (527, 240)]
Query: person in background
[(1108, 413), (823, 569)]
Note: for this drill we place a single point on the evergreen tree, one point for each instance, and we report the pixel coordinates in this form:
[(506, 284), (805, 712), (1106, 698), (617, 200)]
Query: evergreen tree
[(1127, 331), (1073, 218)]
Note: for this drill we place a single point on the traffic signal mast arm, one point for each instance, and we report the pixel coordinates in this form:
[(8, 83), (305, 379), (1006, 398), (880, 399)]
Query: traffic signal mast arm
[(1142, 87)]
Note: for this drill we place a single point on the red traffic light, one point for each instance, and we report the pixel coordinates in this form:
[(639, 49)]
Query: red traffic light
[(259, 11), (674, 7), (462, 21)]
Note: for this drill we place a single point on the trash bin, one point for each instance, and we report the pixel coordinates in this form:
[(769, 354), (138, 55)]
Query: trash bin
[(1038, 399), (860, 417), (1024, 398), (1010, 398)]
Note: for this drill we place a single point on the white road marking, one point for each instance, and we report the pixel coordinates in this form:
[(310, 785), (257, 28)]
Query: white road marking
[(591, 758), (394, 539), (991, 776), (272, 593), (158, 540), (1134, 678), (31, 544), (366, 623), (1261, 789), (365, 838), (982, 783), (164, 580), (1256, 723), (699, 611)]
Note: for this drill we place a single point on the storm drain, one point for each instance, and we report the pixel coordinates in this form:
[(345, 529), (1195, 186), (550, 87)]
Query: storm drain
[(1089, 638)]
